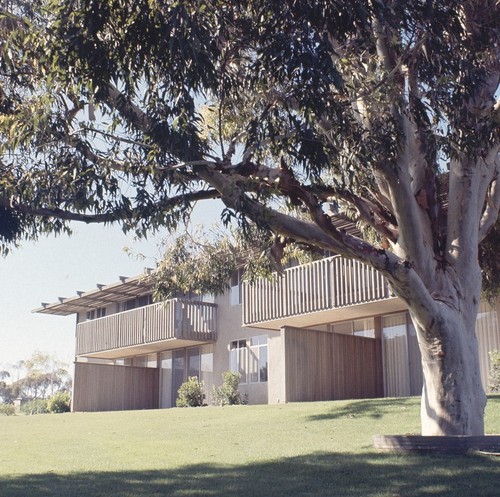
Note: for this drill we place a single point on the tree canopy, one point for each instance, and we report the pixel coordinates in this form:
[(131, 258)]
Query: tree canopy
[(315, 104), (383, 112), (42, 376)]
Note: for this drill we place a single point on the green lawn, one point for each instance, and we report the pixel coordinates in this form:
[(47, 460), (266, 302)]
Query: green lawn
[(308, 449)]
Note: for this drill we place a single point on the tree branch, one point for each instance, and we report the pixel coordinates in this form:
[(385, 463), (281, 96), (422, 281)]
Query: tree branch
[(114, 137), (490, 214), (82, 147), (372, 215), (415, 234), (129, 110), (113, 216)]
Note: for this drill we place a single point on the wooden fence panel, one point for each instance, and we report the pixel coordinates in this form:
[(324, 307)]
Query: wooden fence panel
[(329, 366), (102, 387)]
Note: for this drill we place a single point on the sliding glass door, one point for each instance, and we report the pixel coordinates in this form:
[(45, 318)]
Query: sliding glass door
[(178, 374), (178, 365)]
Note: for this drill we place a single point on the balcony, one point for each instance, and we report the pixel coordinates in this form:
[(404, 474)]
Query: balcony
[(165, 325), (324, 291)]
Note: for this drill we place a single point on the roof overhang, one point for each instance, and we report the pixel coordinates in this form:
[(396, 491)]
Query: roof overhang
[(334, 315), (145, 348), (104, 295)]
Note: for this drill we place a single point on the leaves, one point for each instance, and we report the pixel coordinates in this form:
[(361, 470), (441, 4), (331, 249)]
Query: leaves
[(349, 102)]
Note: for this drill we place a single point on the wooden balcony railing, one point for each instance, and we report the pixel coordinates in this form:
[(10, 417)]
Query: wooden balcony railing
[(174, 319), (329, 283)]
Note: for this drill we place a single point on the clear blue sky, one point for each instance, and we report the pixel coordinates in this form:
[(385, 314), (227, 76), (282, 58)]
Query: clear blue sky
[(57, 267)]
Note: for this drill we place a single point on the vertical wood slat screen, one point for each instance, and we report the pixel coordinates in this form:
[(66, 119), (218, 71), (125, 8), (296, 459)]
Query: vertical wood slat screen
[(395, 356), (488, 335), (325, 284), (176, 318), (330, 366), (102, 387)]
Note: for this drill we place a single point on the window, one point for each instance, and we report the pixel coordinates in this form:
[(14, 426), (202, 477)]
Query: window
[(144, 300), (249, 358), (208, 298), (134, 303), (257, 363), (125, 306), (177, 365), (342, 328), (145, 361), (96, 313), (194, 362), (238, 358), (359, 327), (364, 327), (236, 290)]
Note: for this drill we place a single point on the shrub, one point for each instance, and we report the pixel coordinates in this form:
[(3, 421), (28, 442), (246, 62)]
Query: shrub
[(59, 402), (35, 406), (191, 393), (228, 394), (494, 380), (7, 410)]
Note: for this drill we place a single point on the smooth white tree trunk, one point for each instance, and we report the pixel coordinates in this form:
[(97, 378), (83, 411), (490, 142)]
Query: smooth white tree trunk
[(453, 398)]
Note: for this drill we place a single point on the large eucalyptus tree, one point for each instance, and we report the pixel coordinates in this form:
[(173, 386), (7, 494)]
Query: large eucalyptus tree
[(384, 111)]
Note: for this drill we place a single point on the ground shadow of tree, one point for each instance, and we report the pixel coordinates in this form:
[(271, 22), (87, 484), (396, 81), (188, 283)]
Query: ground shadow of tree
[(370, 408), (377, 408), (319, 474)]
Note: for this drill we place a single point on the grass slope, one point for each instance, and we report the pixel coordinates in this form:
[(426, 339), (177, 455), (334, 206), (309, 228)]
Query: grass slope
[(307, 449)]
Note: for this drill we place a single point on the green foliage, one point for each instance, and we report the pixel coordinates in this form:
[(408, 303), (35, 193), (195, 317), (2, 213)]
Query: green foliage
[(494, 378), (228, 394), (35, 406), (190, 393), (9, 224), (43, 375), (260, 103), (7, 410), (194, 264), (7, 393), (59, 402), (203, 262)]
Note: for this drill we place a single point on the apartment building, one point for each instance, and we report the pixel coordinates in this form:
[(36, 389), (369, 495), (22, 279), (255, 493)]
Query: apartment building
[(326, 330)]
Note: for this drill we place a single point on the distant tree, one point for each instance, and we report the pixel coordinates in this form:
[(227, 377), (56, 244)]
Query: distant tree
[(6, 394), (44, 375), (384, 112)]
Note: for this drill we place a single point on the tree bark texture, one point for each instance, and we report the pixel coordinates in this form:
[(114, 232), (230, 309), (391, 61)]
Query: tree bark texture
[(453, 399)]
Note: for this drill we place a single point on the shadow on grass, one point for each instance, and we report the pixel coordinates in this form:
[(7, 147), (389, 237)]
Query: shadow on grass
[(370, 408), (320, 474), (377, 408)]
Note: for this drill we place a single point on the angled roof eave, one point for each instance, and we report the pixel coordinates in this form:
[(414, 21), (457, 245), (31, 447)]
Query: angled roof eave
[(104, 295)]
